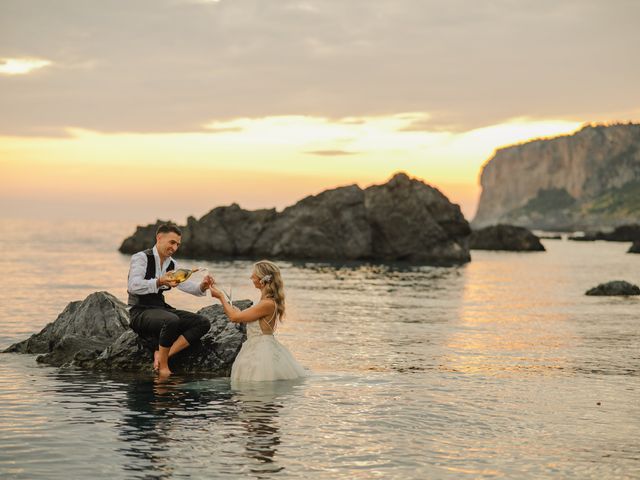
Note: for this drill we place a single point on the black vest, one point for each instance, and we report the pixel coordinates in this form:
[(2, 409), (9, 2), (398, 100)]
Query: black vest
[(151, 299)]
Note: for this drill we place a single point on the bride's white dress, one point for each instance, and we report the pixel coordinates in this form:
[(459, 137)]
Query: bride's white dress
[(263, 358)]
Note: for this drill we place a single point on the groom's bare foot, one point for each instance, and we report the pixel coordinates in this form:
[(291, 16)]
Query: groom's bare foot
[(156, 360), (164, 372)]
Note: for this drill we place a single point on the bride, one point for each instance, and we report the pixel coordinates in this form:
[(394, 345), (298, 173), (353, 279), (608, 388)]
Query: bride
[(262, 357)]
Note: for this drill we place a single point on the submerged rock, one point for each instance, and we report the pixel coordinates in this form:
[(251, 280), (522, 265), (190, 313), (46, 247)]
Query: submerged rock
[(635, 247), (94, 334), (403, 219), (617, 287), (505, 237)]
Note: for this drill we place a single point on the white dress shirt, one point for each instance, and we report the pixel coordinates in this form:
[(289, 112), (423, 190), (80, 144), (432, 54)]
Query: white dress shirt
[(139, 286)]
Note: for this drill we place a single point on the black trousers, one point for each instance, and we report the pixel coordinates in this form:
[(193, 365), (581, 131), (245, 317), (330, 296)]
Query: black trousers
[(165, 325)]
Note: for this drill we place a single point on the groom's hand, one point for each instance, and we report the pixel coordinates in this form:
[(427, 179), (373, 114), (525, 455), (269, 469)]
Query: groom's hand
[(167, 280), (207, 281)]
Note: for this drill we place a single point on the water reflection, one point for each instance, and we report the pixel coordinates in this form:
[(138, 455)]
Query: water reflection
[(183, 425), (259, 407), (509, 323), (166, 418)]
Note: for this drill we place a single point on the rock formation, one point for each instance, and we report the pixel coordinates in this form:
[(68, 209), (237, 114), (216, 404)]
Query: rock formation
[(91, 325), (504, 237), (617, 287), (572, 182), (94, 334), (635, 247), (403, 219), (623, 233)]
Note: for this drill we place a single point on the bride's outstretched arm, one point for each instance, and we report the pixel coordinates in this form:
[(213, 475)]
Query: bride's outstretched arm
[(262, 309)]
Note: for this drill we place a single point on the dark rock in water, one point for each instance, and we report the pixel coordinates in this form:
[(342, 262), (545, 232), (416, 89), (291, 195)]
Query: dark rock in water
[(223, 232), (505, 237), (415, 222), (635, 247), (94, 334), (214, 354), (90, 325), (404, 219), (331, 225), (623, 233), (617, 287)]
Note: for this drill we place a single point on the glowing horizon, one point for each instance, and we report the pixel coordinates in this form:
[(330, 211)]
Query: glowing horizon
[(258, 163)]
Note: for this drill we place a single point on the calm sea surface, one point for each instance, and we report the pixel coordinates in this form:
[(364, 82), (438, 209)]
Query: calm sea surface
[(500, 368)]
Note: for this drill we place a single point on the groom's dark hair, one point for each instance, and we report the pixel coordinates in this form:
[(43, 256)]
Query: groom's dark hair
[(168, 227)]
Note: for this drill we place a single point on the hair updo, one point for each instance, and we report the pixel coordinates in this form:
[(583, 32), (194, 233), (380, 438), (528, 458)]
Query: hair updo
[(271, 280)]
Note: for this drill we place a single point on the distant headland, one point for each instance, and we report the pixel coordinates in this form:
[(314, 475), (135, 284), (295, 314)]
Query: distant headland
[(584, 181)]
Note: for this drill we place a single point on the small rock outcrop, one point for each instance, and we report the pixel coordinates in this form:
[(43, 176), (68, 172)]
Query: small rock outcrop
[(623, 233), (403, 219), (617, 287), (635, 247), (89, 325), (505, 237), (94, 334)]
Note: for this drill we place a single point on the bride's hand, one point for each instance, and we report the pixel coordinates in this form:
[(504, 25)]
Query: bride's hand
[(215, 293)]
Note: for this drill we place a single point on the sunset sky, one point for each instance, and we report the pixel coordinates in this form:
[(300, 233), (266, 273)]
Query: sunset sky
[(152, 109)]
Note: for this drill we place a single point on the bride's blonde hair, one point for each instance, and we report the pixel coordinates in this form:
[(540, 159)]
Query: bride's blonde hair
[(269, 275)]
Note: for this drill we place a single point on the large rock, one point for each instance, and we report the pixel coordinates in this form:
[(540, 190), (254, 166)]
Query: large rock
[(404, 219), (332, 225), (587, 180), (88, 325), (617, 287), (635, 247), (94, 334), (505, 237), (213, 355), (412, 221), (224, 232)]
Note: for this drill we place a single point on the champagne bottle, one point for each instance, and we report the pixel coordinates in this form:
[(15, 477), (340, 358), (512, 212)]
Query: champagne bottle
[(182, 274)]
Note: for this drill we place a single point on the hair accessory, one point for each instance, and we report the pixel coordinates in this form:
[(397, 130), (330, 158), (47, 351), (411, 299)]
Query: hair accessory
[(266, 279)]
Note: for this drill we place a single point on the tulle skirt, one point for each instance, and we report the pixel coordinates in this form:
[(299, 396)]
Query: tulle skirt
[(262, 358)]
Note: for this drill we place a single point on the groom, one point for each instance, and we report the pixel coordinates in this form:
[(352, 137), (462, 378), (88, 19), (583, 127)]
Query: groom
[(174, 330)]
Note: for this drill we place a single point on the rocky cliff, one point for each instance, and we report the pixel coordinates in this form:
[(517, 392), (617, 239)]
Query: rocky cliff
[(403, 219), (580, 181)]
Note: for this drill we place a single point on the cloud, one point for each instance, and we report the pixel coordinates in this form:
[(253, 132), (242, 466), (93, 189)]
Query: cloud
[(174, 66), (21, 66), (330, 153)]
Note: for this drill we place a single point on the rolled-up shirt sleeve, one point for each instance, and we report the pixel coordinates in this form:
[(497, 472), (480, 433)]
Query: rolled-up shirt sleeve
[(138, 269)]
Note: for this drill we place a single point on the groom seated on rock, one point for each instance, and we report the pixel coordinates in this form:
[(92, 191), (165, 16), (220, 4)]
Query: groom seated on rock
[(172, 330)]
